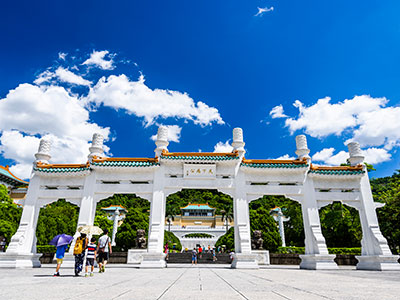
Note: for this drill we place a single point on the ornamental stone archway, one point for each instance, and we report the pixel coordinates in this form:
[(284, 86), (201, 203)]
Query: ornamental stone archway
[(230, 173)]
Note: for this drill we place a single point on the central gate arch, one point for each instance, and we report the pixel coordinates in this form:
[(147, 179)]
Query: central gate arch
[(231, 173)]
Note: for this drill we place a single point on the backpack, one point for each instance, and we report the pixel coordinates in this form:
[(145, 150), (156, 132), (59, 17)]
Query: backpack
[(78, 249)]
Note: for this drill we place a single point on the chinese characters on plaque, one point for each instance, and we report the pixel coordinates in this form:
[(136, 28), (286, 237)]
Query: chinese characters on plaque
[(199, 171)]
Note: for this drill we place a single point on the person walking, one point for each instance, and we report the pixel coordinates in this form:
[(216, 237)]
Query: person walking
[(166, 251), (79, 252), (60, 252), (200, 251), (91, 256), (104, 250), (214, 255), (194, 256)]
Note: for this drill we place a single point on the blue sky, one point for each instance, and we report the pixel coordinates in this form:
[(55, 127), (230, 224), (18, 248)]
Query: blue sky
[(69, 68)]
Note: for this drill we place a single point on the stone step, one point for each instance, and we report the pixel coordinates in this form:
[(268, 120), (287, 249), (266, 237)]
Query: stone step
[(206, 258)]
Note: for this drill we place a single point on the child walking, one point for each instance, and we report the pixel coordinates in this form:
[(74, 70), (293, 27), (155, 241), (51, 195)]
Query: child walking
[(91, 256)]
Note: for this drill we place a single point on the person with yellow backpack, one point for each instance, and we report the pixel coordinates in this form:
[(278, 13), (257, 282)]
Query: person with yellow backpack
[(79, 252)]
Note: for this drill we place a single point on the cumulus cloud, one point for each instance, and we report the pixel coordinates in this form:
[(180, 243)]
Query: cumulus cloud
[(63, 75), (98, 59), (174, 133), (372, 156), (286, 156), (365, 119), (30, 111), (277, 112), (135, 97), (221, 147)]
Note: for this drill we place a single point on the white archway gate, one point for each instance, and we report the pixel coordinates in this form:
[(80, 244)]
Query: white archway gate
[(244, 180)]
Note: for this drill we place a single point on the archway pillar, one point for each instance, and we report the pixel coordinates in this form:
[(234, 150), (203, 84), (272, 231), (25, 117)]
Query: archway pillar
[(243, 257), (21, 252), (375, 252), (87, 211), (316, 255), (155, 258)]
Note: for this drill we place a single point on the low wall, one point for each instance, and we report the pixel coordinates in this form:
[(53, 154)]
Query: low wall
[(294, 259)]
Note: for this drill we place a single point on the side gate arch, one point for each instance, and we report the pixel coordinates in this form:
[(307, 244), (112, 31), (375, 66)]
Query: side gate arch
[(231, 173)]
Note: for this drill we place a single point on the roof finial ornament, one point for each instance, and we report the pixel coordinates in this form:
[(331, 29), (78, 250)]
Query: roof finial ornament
[(97, 146), (302, 150), (238, 144), (43, 154), (162, 140), (356, 156)]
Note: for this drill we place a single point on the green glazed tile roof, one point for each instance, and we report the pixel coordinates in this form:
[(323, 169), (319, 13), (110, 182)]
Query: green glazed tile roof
[(337, 172), (200, 158), (274, 165), (125, 164), (61, 170), (198, 207), (8, 177)]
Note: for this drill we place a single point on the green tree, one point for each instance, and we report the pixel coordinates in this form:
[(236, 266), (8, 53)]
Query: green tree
[(340, 225), (170, 213), (172, 241), (56, 218), (227, 240), (260, 219), (227, 216), (10, 215)]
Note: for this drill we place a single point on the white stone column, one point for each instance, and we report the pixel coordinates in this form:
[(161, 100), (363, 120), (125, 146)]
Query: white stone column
[(162, 140), (375, 253), (96, 149), (21, 253), (316, 253), (155, 258), (115, 227), (87, 207)]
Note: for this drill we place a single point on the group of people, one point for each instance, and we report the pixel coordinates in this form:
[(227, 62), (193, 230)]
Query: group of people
[(198, 251), (89, 250)]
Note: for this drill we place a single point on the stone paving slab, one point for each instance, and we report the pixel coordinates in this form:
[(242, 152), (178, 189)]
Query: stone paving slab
[(200, 282)]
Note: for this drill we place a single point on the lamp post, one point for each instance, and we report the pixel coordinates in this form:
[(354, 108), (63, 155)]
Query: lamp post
[(115, 213), (278, 216)]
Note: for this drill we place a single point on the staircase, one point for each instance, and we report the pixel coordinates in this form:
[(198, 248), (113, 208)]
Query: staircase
[(206, 258)]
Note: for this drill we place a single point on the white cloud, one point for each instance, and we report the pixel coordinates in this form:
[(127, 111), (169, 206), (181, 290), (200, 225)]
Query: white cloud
[(119, 92), (67, 76), (30, 111), (372, 156), (174, 133), (62, 55), (221, 147), (286, 156), (98, 59), (63, 75), (277, 112), (262, 10), (372, 122)]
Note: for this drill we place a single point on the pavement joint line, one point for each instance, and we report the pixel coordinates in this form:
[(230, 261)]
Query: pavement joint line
[(279, 294), (293, 287), (201, 284), (232, 287), (122, 294), (167, 289)]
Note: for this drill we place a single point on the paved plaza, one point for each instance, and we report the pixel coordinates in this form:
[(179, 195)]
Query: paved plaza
[(200, 282)]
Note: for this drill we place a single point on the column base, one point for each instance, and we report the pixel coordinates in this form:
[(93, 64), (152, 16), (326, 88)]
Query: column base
[(153, 260), (244, 261), (318, 262), (378, 262), (135, 256), (19, 261), (262, 256)]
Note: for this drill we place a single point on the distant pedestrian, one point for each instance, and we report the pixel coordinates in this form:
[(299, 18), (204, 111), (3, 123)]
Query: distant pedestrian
[(104, 250), (200, 251), (214, 255), (194, 256), (60, 252), (79, 252), (209, 249), (91, 256), (166, 251)]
